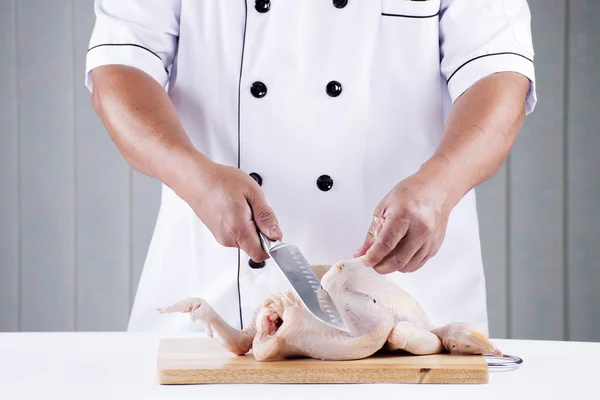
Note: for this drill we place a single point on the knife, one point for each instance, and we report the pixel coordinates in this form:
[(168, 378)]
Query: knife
[(304, 282)]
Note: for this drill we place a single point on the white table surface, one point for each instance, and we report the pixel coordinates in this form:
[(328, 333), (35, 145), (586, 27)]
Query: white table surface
[(123, 366)]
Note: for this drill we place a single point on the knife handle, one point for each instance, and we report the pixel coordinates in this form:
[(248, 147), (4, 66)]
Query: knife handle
[(268, 244)]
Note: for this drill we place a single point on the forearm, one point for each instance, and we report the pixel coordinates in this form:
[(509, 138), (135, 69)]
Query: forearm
[(479, 133), (145, 127), (143, 124)]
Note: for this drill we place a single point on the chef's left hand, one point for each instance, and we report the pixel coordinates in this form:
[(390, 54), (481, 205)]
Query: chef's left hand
[(409, 224)]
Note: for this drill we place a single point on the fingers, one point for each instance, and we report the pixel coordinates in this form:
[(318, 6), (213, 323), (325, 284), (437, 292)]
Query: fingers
[(263, 218), (239, 211), (263, 215), (372, 233), (402, 257), (365, 246), (426, 253), (238, 230), (249, 242), (392, 231), (419, 259)]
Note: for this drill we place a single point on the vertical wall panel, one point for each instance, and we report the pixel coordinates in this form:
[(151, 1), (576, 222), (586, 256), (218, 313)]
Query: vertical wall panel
[(45, 121), (583, 162), (491, 207), (102, 204), (145, 203), (536, 190), (9, 174), (78, 221)]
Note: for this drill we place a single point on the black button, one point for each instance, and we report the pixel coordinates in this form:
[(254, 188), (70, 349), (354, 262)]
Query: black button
[(334, 88), (258, 90), (255, 265), (340, 3), (256, 177), (324, 182), (262, 6)]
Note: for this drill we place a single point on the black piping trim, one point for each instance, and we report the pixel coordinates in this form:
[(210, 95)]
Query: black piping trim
[(239, 292), (127, 44), (488, 55), (239, 151), (410, 16)]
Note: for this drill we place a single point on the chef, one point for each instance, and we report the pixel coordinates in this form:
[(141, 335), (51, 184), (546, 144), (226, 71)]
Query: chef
[(345, 127)]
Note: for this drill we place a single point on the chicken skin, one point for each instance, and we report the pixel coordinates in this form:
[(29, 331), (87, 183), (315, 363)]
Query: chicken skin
[(379, 314)]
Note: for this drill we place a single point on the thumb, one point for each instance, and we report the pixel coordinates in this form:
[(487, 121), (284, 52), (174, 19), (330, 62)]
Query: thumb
[(372, 233), (362, 250), (264, 216)]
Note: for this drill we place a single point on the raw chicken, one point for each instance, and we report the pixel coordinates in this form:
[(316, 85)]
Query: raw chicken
[(380, 316)]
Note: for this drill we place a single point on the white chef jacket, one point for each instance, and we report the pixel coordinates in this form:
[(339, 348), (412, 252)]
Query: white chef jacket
[(327, 104)]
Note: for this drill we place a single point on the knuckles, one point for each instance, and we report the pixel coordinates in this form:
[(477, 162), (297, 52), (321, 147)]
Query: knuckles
[(228, 234), (426, 226), (398, 262), (386, 243), (264, 215), (232, 230), (421, 219)]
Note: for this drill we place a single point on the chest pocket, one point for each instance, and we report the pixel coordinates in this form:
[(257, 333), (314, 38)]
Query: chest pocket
[(409, 35), (419, 9)]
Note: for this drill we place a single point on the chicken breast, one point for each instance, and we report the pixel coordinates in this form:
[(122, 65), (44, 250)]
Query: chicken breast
[(381, 316)]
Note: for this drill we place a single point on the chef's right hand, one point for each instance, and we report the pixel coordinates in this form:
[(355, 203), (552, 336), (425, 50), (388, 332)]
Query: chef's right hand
[(232, 205)]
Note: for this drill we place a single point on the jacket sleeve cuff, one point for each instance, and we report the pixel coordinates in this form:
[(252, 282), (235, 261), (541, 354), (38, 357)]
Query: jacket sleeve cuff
[(125, 54), (482, 66)]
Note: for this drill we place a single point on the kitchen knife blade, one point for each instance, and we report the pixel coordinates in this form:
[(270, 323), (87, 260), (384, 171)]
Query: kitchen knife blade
[(304, 282)]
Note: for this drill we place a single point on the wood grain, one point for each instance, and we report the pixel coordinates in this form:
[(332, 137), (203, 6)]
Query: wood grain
[(205, 361)]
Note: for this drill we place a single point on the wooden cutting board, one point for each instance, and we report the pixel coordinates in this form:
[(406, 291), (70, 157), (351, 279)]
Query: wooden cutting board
[(204, 361)]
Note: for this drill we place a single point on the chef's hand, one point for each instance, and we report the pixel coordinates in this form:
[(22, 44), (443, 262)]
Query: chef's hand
[(232, 205), (408, 225), (146, 129)]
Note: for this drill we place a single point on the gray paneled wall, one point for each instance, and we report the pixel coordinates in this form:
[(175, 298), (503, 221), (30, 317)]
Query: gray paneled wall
[(582, 161), (76, 221), (9, 177), (539, 218), (46, 164), (535, 192)]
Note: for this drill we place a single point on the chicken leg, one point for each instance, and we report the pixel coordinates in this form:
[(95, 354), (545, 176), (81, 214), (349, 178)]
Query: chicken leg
[(463, 338), (301, 335), (234, 340), (409, 337), (379, 313)]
